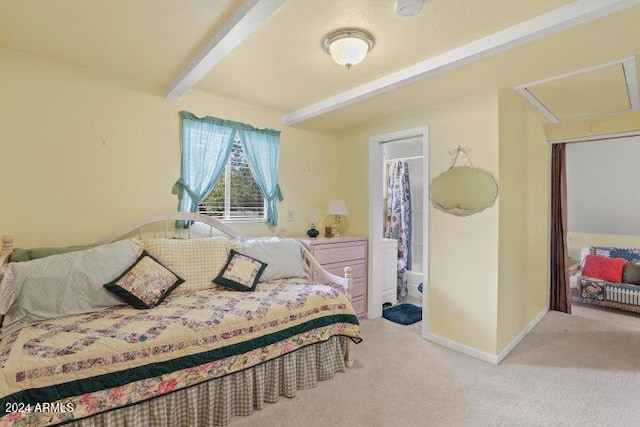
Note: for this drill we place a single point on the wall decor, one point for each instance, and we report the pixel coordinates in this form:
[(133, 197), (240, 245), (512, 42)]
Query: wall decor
[(463, 190)]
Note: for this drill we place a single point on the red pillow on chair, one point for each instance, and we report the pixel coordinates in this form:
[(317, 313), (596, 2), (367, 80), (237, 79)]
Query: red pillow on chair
[(604, 268)]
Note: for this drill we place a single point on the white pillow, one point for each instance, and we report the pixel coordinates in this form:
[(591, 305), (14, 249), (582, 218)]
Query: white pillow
[(283, 256), (64, 284)]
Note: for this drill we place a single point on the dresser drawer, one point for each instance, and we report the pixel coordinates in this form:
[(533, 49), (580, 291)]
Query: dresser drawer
[(358, 269), (330, 253)]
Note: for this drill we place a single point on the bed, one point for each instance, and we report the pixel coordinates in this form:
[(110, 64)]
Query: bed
[(198, 358)]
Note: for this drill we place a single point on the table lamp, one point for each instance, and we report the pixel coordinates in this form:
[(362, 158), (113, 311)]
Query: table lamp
[(339, 209)]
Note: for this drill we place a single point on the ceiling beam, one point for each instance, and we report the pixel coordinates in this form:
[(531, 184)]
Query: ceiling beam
[(570, 15), (247, 18)]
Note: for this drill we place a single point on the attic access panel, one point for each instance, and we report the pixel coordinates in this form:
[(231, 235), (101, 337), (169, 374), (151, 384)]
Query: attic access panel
[(584, 94)]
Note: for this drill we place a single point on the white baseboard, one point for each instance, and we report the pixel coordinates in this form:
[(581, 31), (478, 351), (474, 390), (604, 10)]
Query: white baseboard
[(465, 349), (478, 354), (523, 333)]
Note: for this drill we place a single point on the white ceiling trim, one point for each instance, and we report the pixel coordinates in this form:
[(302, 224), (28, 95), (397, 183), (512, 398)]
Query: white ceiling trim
[(522, 90), (559, 19), (244, 22), (630, 75)]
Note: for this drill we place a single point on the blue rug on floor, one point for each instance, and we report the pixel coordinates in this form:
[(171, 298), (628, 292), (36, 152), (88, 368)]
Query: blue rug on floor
[(404, 314)]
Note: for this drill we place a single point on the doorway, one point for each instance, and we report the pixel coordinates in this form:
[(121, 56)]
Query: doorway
[(409, 145), (601, 199)]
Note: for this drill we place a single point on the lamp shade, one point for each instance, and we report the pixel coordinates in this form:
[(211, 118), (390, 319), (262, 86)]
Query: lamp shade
[(337, 207)]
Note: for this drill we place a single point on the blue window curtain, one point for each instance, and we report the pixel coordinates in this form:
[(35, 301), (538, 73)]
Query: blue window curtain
[(206, 147), (262, 150)]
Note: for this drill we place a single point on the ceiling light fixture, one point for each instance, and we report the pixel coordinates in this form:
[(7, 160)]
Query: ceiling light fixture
[(348, 46)]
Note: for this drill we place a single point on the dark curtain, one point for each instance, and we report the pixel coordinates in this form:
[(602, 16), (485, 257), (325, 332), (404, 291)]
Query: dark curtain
[(560, 291)]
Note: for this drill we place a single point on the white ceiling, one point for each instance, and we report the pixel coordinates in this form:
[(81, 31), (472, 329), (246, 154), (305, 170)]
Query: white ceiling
[(280, 64)]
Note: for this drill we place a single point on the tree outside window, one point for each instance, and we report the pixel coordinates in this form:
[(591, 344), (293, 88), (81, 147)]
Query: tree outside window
[(236, 195)]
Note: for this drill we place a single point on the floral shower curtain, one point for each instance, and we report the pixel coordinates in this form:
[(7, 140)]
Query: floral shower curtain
[(398, 219)]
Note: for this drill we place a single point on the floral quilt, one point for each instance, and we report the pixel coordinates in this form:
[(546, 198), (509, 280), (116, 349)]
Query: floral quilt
[(77, 366)]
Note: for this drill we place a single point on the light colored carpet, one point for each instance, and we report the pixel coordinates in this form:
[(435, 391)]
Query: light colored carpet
[(580, 370)]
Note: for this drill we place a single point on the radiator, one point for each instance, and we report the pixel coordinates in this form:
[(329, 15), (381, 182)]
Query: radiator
[(625, 296)]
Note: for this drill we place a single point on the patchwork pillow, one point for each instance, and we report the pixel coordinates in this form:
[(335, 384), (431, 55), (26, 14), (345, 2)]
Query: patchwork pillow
[(631, 274), (197, 261), (607, 269), (241, 273), (145, 284), (629, 254), (283, 256)]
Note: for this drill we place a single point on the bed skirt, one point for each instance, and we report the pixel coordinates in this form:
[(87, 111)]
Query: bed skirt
[(215, 402)]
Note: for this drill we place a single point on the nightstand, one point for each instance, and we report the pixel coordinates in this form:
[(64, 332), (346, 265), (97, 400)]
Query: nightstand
[(336, 253)]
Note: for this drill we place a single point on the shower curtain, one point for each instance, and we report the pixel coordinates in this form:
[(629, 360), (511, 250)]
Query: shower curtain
[(398, 218)]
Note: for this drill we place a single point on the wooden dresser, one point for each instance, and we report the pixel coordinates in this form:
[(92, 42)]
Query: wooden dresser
[(336, 253)]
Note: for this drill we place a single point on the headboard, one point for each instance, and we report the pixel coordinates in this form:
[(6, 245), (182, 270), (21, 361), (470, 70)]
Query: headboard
[(212, 225), (207, 226), (6, 249), (169, 219)]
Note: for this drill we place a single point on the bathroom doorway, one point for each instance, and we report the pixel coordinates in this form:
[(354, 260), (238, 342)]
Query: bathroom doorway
[(405, 154), (403, 193)]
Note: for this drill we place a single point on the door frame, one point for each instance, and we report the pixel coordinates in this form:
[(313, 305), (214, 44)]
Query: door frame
[(376, 224)]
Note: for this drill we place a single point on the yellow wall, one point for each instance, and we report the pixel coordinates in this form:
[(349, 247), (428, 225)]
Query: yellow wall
[(523, 241), (625, 122), (82, 153), (463, 270), (576, 241), (487, 272)]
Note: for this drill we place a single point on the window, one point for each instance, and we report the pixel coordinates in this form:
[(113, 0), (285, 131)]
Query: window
[(226, 179), (236, 195)]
